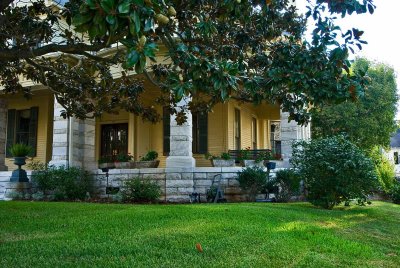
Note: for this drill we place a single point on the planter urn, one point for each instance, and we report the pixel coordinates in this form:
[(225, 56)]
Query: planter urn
[(19, 175)]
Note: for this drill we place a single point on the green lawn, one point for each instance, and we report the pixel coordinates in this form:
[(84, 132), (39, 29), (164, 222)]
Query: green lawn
[(36, 234)]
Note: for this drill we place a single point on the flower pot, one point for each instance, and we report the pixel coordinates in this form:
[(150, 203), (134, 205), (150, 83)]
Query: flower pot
[(20, 161), (147, 164), (270, 165), (223, 162), (124, 165), (107, 165), (252, 163)]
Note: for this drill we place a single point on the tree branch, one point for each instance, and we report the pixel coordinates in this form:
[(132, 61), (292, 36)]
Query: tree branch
[(18, 53), (4, 4)]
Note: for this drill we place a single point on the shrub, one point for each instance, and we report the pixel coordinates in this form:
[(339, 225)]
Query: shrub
[(254, 180), (334, 170), (37, 165), (20, 150), (150, 156), (137, 190), (395, 193), (384, 169), (66, 183), (288, 181)]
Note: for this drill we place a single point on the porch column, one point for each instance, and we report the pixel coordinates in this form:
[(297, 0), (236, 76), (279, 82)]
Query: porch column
[(60, 137), (73, 141), (291, 132), (3, 132), (181, 141), (87, 133)]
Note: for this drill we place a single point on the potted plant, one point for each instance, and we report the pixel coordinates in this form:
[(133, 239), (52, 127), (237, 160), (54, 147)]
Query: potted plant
[(247, 160), (268, 156), (223, 160), (106, 162), (20, 151), (124, 161), (148, 161)]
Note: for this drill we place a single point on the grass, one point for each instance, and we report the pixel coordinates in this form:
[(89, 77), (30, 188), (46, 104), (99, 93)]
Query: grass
[(39, 234)]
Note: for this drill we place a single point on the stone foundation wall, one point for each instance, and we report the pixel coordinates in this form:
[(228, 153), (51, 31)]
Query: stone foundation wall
[(178, 183)]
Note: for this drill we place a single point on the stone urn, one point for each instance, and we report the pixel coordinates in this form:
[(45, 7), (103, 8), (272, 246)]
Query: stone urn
[(124, 165), (223, 162), (147, 164), (19, 175), (252, 163)]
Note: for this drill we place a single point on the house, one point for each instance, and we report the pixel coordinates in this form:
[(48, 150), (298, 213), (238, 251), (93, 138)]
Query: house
[(393, 153), (73, 142)]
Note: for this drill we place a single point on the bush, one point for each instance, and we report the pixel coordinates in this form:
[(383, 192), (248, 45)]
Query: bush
[(254, 180), (65, 183), (137, 190), (20, 150), (395, 193), (385, 170), (288, 181), (334, 171)]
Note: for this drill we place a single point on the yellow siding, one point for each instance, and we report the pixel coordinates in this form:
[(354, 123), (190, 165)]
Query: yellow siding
[(45, 102)]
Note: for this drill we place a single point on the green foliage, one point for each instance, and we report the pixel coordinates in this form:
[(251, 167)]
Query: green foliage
[(254, 61), (124, 157), (368, 121), (140, 190), (254, 180), (20, 150), (64, 183), (334, 170), (223, 156), (288, 181), (37, 165), (106, 159), (395, 193), (244, 154), (150, 156), (385, 170)]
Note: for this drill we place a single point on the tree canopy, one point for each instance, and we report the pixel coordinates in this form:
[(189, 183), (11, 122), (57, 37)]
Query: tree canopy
[(369, 121), (252, 51)]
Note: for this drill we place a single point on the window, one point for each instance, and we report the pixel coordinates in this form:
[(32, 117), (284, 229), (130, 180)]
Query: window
[(200, 133), (22, 128), (396, 158), (275, 135), (166, 130), (254, 132), (114, 139), (237, 130)]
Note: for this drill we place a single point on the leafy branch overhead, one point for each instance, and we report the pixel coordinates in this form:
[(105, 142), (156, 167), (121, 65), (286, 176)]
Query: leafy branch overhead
[(213, 51)]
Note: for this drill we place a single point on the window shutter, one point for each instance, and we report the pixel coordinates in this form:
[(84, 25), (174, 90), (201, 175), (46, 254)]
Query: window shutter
[(33, 126), (203, 133), (166, 131), (10, 130)]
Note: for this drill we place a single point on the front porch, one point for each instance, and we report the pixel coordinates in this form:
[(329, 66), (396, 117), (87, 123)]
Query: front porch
[(183, 168)]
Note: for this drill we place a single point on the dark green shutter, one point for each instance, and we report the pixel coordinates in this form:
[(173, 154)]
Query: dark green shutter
[(10, 130), (166, 131), (33, 126), (203, 133)]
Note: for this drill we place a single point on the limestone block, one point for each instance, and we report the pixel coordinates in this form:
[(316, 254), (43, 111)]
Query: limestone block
[(173, 176), (204, 183), (179, 183), (198, 176)]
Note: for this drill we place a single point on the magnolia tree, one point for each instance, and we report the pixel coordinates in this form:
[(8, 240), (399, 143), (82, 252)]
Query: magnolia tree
[(251, 51)]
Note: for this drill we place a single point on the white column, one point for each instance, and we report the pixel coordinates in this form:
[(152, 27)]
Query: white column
[(180, 154), (3, 132), (73, 141), (61, 137), (291, 132)]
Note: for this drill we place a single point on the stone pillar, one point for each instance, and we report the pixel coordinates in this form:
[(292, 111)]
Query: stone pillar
[(3, 133), (291, 132), (60, 137), (88, 143), (180, 154), (73, 141)]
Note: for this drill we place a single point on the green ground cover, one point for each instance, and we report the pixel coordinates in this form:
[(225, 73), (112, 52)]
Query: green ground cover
[(40, 234)]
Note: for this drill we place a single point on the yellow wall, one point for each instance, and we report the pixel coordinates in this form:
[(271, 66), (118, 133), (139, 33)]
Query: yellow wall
[(45, 101)]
